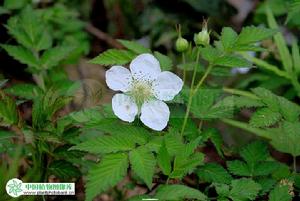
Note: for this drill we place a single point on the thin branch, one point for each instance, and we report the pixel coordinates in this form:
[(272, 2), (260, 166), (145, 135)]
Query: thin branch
[(103, 36)]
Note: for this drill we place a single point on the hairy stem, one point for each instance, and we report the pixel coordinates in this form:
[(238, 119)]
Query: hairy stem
[(184, 67), (240, 92)]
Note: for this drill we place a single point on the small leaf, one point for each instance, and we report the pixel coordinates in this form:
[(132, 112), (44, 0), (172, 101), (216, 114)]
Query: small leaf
[(238, 168), (27, 91), (111, 170), (114, 56), (228, 38), (232, 61), (255, 152), (264, 117), (280, 193), (178, 192), (213, 172), (165, 62), (244, 189), (22, 55), (164, 160), (135, 46), (143, 164), (106, 144), (52, 57), (253, 34), (63, 170)]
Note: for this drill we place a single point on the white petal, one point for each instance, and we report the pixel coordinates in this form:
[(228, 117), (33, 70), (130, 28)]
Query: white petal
[(124, 107), (145, 67), (155, 114), (166, 86), (118, 78)]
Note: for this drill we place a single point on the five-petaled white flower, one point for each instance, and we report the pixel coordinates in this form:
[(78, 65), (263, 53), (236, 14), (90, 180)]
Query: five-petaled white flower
[(145, 88)]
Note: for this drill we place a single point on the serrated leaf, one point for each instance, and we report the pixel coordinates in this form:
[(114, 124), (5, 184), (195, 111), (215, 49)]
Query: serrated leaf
[(213, 172), (266, 185), (238, 168), (280, 193), (174, 143), (27, 91), (63, 170), (253, 34), (111, 170), (210, 54), (134, 46), (14, 4), (22, 55), (267, 97), (264, 168), (164, 160), (264, 117), (52, 57), (228, 38), (8, 111), (114, 56), (184, 165), (288, 109), (106, 144), (178, 192), (255, 152), (232, 61), (286, 138), (143, 164), (244, 189), (216, 138), (165, 62)]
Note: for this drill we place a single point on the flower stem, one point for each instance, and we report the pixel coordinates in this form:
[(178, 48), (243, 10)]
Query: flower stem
[(240, 92), (193, 92), (184, 67), (210, 66), (295, 164)]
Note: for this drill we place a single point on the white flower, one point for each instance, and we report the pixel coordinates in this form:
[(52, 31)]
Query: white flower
[(144, 89)]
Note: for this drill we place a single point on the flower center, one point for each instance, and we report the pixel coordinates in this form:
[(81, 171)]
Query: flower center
[(141, 92)]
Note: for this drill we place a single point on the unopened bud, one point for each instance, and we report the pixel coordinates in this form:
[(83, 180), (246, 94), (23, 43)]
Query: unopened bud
[(181, 44), (202, 38)]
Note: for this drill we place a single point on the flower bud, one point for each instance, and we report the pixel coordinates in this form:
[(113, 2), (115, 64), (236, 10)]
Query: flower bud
[(202, 38), (181, 44)]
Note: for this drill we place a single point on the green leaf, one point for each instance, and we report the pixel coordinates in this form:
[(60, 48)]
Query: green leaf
[(244, 189), (296, 57), (255, 152), (238, 168), (266, 185), (111, 170), (264, 117), (6, 135), (106, 144), (143, 164), (288, 109), (253, 34), (228, 38), (26, 91), (213, 172), (178, 192), (114, 56), (293, 11), (280, 193), (164, 160), (282, 47), (215, 137), (165, 62), (134, 46), (8, 111), (210, 54), (174, 143), (63, 170), (22, 55), (232, 61), (267, 97), (184, 164), (14, 4), (264, 168), (52, 57), (286, 138)]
